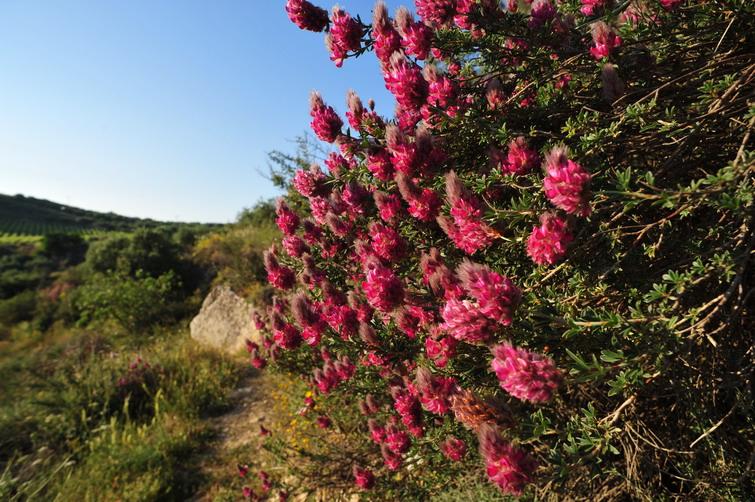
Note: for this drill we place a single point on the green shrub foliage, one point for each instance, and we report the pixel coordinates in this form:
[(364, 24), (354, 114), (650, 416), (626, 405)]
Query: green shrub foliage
[(540, 268)]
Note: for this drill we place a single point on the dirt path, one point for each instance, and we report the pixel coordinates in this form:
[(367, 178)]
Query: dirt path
[(237, 439)]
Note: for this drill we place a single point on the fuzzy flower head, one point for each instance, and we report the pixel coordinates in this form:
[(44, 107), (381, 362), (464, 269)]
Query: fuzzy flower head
[(507, 466), (423, 203), (379, 163), (416, 37), (436, 12), (524, 374), (385, 38), (604, 40), (542, 12), (388, 205), (464, 321), (547, 243), (325, 121), (278, 275), (454, 448), (363, 478), (435, 391), (345, 35), (387, 243), (310, 182), (566, 183), (286, 219), (404, 80), (496, 295), (307, 16), (383, 289), (520, 159)]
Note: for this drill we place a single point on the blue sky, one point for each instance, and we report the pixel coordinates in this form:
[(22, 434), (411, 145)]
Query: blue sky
[(161, 109)]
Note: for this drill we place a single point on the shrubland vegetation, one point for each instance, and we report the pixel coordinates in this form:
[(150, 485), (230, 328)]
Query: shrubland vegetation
[(536, 279), (103, 395)]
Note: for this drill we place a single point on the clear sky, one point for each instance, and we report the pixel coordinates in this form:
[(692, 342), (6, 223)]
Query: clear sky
[(161, 108)]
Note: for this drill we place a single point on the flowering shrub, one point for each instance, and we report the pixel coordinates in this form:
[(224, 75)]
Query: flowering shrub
[(534, 270)]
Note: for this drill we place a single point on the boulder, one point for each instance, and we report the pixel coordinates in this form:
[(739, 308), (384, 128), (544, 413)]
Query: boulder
[(225, 321)]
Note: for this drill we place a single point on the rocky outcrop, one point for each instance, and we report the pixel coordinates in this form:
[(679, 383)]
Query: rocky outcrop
[(225, 321)]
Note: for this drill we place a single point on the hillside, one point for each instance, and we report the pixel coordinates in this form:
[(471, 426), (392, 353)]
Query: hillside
[(21, 215)]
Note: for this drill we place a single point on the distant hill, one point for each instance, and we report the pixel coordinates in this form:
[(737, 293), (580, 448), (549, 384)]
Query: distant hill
[(21, 215)]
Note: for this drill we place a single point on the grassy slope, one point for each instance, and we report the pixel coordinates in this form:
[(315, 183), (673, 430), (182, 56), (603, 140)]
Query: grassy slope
[(21, 215)]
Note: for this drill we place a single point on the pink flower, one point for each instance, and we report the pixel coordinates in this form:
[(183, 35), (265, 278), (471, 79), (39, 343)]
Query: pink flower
[(436, 12), (416, 37), (589, 7), (294, 246), (337, 164), (423, 203), (494, 94), (388, 205), (288, 337), (508, 467), (307, 16), (257, 361), (286, 219), (440, 350), (547, 243), (265, 480), (383, 289), (363, 478), (392, 460), (247, 492), (520, 158), (309, 183), (377, 431), (542, 12), (387, 243), (379, 164), (404, 80), (396, 440), (605, 40), (345, 35), (566, 184), (671, 4), (435, 391), (467, 230), (323, 422), (325, 121), (453, 448), (464, 321), (496, 295), (524, 374), (385, 37), (442, 91), (356, 109), (279, 276)]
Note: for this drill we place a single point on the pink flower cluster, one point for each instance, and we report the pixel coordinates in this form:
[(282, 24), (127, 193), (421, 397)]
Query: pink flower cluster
[(524, 374), (567, 183), (547, 243), (278, 275), (497, 297), (333, 373), (604, 40), (345, 35), (435, 391), (383, 289), (507, 466), (325, 121), (307, 16), (520, 159), (467, 229)]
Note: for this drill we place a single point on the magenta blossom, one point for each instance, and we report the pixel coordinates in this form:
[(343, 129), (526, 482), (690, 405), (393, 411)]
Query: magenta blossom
[(524, 374), (436, 12), (325, 121), (386, 39), (416, 37), (604, 40), (345, 35), (383, 289), (392, 460), (388, 205), (307, 16), (464, 321), (286, 219), (547, 243), (567, 183), (496, 295), (435, 391), (387, 243), (363, 478), (454, 448), (520, 159), (508, 467), (404, 80)]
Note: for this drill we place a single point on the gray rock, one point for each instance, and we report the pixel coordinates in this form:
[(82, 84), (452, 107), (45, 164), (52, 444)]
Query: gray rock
[(224, 322)]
